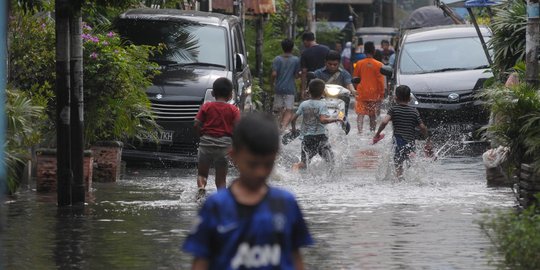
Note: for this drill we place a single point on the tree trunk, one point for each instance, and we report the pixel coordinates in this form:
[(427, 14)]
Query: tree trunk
[(77, 110), (533, 34), (64, 173)]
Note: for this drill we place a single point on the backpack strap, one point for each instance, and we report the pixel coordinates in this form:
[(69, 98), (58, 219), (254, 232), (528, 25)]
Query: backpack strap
[(334, 78)]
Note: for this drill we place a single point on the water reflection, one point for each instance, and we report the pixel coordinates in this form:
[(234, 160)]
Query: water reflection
[(69, 241)]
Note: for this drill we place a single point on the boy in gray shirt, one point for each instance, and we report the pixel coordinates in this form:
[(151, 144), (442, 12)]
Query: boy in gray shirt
[(285, 69), (315, 116)]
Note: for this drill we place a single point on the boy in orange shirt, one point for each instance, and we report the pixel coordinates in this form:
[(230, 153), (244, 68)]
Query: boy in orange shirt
[(370, 89)]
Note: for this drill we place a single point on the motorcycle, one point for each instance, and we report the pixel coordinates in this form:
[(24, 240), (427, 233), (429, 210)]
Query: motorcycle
[(337, 99)]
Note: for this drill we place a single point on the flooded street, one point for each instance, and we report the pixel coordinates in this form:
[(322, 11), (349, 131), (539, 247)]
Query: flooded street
[(360, 217)]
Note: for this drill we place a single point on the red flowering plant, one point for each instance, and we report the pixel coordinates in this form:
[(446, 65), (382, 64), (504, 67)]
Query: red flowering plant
[(115, 78)]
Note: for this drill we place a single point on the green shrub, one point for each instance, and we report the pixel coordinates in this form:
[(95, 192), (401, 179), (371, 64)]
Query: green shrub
[(516, 236), (115, 78), (508, 41), (516, 120), (32, 57), (22, 132)]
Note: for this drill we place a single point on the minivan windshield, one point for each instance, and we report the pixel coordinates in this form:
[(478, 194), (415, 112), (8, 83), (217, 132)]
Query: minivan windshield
[(185, 42), (442, 55)]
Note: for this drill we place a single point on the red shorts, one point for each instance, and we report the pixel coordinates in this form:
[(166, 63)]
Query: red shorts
[(365, 107)]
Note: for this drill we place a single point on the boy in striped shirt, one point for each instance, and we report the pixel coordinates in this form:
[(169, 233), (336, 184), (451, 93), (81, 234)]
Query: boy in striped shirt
[(405, 120)]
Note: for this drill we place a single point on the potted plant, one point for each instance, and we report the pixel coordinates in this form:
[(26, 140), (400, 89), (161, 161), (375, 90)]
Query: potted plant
[(516, 125)]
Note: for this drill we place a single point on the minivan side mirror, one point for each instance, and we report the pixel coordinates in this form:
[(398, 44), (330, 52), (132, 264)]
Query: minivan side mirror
[(387, 71), (241, 62)]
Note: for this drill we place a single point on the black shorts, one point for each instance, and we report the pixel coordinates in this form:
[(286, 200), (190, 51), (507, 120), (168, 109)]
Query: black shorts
[(402, 150), (316, 144)]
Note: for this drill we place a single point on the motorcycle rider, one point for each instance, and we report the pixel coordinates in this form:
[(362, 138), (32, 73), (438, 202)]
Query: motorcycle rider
[(332, 73)]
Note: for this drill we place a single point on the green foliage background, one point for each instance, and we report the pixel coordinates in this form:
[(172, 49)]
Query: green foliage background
[(508, 41)]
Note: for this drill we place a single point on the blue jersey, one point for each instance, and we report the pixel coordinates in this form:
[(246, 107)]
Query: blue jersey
[(234, 236)]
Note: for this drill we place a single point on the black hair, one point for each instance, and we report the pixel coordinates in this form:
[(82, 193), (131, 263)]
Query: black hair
[(257, 133), (316, 88), (333, 56), (222, 87), (308, 36), (403, 93), (369, 48), (287, 45), (384, 41)]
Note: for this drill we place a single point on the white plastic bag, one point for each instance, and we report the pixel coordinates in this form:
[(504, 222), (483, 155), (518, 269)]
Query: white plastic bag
[(495, 157)]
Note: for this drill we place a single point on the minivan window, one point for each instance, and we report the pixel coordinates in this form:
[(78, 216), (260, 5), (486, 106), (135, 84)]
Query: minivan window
[(186, 42), (442, 55)]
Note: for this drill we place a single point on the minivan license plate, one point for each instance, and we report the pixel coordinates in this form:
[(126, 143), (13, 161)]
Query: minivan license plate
[(165, 136)]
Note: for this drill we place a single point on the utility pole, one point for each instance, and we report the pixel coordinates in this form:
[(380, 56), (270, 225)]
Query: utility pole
[(3, 82), (311, 16), (64, 173), (533, 34), (77, 110), (259, 54)]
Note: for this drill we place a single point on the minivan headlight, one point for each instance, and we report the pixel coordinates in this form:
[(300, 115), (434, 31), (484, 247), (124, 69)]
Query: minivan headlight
[(414, 101), (208, 97)]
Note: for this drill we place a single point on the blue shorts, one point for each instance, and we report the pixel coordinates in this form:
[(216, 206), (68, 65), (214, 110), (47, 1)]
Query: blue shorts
[(402, 150)]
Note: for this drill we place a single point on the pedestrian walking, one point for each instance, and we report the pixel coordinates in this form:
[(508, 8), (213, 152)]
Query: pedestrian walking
[(250, 225), (386, 51), (405, 120), (285, 69), (346, 55), (314, 116), (214, 123), (312, 58), (370, 90)]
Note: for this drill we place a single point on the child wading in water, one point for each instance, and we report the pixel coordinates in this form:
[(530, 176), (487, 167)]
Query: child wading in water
[(405, 120), (250, 225), (315, 116), (215, 122)]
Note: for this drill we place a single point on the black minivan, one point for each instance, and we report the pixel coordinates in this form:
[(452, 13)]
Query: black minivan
[(199, 47)]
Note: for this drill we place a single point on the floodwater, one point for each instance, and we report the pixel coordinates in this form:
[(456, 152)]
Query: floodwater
[(359, 215)]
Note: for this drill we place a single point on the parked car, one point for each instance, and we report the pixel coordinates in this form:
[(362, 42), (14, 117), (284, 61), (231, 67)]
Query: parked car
[(445, 66), (199, 47)]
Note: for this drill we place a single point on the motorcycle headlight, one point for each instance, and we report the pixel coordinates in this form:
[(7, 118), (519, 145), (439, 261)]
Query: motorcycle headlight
[(248, 90), (208, 97), (332, 90)]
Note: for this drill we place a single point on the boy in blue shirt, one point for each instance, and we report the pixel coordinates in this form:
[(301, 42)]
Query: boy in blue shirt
[(285, 69), (315, 116), (250, 225)]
